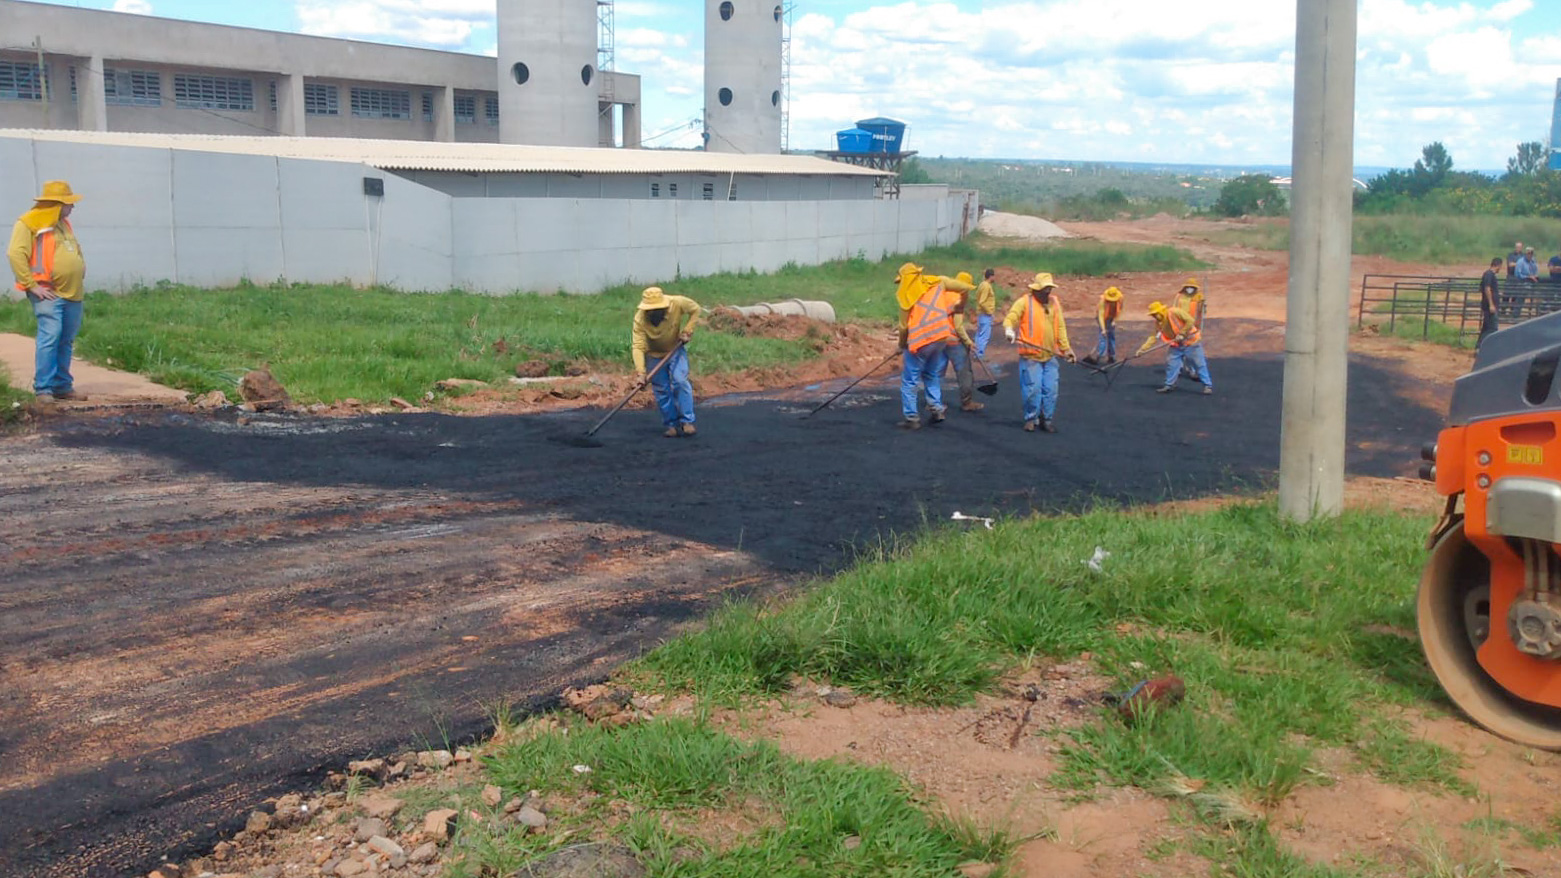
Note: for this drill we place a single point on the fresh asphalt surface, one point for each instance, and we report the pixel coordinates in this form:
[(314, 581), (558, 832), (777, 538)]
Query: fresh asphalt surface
[(791, 495)]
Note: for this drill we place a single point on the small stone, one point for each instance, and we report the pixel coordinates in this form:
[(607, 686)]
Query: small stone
[(396, 770), (367, 828), (386, 846), (259, 823), (530, 817), (220, 851), (587, 861), (400, 403), (976, 870), (213, 400), (436, 825), (268, 872), (381, 806), (462, 756), (839, 698), (532, 369), (349, 401), (459, 383), (347, 868), (492, 796), (366, 766), (166, 870), (852, 842), (513, 805), (425, 853), (435, 758)]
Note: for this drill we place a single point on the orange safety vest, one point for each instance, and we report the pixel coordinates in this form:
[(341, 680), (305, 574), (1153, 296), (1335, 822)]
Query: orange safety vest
[(1174, 327), (1109, 310), (932, 319), (1193, 305), (43, 257), (1039, 336)]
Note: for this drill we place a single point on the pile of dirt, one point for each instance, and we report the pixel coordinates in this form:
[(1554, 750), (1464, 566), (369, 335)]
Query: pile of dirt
[(1013, 225)]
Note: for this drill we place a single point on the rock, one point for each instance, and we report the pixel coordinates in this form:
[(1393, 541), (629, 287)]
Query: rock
[(435, 758), (436, 825), (460, 384), (213, 400), (585, 861), (977, 870), (400, 403), (852, 842), (368, 828), (351, 403), (381, 806), (386, 846), (372, 767), (839, 698), (221, 850), (598, 702), (568, 392), (513, 805), (532, 369), (261, 390), (531, 818), (425, 853), (396, 770), (347, 868), (166, 870), (268, 872), (462, 756), (575, 370), (492, 796), (259, 823)]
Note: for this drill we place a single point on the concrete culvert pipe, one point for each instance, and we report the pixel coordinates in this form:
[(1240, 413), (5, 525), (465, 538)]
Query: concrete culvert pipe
[(821, 311)]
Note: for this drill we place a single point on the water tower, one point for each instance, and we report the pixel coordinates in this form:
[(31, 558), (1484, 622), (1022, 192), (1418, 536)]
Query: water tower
[(547, 72), (743, 76)]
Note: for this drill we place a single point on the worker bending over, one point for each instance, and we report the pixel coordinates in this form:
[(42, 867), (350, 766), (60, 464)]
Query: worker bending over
[(1106, 313), (1036, 322), (927, 303), (663, 324), (986, 307), (961, 350), (1175, 328)]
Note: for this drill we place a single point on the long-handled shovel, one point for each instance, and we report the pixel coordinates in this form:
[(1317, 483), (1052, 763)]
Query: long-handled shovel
[(1111, 370), (825, 404), (988, 388), (585, 440)]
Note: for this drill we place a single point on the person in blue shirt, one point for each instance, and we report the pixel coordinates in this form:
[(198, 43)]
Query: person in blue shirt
[(1524, 275), (1555, 269)]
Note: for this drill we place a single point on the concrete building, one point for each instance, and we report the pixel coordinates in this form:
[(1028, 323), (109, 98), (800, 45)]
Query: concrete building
[(743, 76), (547, 74), (110, 71)]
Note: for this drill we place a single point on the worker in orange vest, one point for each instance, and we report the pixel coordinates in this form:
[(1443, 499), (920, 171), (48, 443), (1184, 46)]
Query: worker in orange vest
[(46, 259), (1190, 299), (927, 303), (1036, 323), (1106, 313), (962, 349), (1177, 329)]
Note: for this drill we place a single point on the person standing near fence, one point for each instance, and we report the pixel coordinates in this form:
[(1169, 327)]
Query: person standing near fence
[(1555, 269), (49, 267), (1489, 290)]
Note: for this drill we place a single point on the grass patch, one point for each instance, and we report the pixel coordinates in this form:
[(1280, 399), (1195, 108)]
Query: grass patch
[(692, 801), (1271, 624), (1435, 239), (331, 342), (13, 400)]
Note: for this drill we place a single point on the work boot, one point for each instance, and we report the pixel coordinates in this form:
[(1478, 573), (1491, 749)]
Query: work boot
[(672, 433), (1166, 389), (70, 395), (911, 424), (1029, 426), (688, 429), (937, 416), (43, 398), (971, 405), (1207, 390), (1048, 426)]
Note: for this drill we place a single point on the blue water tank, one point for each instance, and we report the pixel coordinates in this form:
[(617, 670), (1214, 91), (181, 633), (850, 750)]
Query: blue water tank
[(854, 140), (888, 134)]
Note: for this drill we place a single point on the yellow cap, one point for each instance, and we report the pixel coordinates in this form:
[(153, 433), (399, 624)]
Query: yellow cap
[(1113, 294), (1042, 281), (964, 278), (1157, 308), (58, 190), (653, 298)]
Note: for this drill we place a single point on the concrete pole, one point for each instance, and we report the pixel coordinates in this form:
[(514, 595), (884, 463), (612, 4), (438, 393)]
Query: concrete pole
[(444, 114), (1311, 444), (91, 96), (291, 120)]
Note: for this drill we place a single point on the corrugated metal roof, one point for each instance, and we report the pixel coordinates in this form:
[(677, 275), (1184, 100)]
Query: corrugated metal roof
[(418, 155)]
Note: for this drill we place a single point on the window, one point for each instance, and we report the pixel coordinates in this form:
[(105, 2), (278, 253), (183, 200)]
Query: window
[(381, 103), (21, 82), (672, 190), (321, 100), (709, 192), (466, 109), (775, 98), (428, 107), (213, 92), (490, 110), (271, 93), (731, 192), (73, 82), (655, 190), (724, 96), (777, 13), (133, 88), (726, 11), (521, 72), (586, 73)]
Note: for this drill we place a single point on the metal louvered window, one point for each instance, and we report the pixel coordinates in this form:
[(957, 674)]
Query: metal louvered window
[(213, 92), (466, 109), (133, 88), (381, 103), (490, 110), (321, 100), (20, 82)]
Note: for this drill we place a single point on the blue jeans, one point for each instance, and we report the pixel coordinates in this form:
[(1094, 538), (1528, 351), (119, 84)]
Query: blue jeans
[(1108, 342), (983, 334), (1193, 354), (58, 323), (924, 368), (674, 394), (1038, 387)]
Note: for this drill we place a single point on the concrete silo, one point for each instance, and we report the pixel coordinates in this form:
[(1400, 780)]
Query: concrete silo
[(547, 72), (743, 75), (1555, 131)]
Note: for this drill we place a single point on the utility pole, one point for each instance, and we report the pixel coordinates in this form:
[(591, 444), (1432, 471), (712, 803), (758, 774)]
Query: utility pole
[(43, 82), (1311, 443)]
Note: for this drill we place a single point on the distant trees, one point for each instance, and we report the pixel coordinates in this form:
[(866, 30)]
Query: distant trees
[(1250, 195), (1530, 160), (1433, 186), (912, 172)]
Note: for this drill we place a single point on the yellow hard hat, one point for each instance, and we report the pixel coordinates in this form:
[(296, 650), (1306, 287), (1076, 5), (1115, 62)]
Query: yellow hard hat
[(1042, 281), (964, 278), (58, 190), (1157, 308), (653, 298), (909, 268), (1113, 294)]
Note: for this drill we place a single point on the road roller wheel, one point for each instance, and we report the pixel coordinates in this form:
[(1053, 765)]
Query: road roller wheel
[(1453, 611)]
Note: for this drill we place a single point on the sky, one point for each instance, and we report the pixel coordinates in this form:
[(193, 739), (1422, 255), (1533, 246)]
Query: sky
[(1196, 81)]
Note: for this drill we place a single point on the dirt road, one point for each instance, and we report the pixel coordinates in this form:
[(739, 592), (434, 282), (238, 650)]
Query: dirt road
[(196, 612)]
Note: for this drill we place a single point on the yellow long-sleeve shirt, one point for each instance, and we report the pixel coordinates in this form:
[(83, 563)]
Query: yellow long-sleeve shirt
[(959, 330), (1107, 312), (1053, 328), (986, 299), (70, 268), (1164, 331), (682, 315), (1193, 305)]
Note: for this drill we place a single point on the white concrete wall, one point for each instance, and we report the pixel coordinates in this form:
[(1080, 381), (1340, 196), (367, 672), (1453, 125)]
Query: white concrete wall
[(209, 219)]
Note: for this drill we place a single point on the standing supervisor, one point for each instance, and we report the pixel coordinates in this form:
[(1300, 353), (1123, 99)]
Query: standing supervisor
[(1489, 291), (1036, 322), (47, 261)]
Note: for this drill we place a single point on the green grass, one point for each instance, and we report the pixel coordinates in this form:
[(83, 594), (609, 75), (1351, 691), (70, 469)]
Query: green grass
[(653, 785), (1277, 629), (328, 342), (13, 400), (1414, 323), (1433, 239)]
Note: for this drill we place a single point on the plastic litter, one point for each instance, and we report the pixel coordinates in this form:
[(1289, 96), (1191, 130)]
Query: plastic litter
[(1148, 695), (960, 516), (582, 769), (1096, 561)]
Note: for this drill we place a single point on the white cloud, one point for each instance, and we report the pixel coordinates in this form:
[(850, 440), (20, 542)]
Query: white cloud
[(450, 24), (138, 7)]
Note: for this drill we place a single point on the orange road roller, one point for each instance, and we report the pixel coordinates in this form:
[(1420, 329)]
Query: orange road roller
[(1489, 606)]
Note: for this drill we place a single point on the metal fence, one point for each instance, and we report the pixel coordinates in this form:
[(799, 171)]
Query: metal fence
[(1410, 304)]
